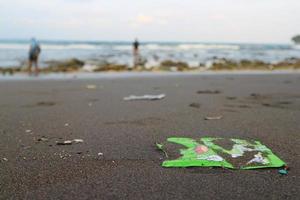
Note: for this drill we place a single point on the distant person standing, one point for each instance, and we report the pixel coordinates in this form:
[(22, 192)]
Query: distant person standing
[(136, 45), (34, 53)]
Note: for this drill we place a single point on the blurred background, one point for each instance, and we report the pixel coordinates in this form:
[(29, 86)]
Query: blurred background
[(186, 34)]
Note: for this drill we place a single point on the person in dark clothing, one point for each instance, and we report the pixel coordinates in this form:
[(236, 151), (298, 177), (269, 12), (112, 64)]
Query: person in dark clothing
[(136, 45), (34, 53)]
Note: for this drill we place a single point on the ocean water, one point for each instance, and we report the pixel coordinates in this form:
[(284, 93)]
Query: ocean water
[(15, 52)]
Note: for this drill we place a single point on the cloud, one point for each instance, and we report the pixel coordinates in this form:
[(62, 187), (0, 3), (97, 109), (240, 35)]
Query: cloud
[(144, 19)]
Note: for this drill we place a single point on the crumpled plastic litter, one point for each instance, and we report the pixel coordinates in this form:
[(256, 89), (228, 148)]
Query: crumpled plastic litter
[(66, 142), (204, 152), (78, 140), (69, 142), (145, 97)]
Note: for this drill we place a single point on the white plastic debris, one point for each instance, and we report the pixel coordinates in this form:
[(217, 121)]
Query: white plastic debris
[(78, 140), (28, 131), (66, 142), (213, 118), (66, 124), (5, 159), (70, 142), (91, 86), (145, 97), (100, 154)]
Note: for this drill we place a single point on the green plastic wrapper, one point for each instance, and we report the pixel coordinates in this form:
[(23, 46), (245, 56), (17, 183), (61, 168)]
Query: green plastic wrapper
[(207, 152)]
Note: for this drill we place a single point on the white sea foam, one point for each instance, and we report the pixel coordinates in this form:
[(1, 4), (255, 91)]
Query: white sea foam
[(297, 46), (122, 47), (158, 47), (207, 46), (50, 46), (71, 46), (13, 46)]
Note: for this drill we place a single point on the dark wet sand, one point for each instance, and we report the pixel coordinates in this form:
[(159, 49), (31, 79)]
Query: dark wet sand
[(262, 107)]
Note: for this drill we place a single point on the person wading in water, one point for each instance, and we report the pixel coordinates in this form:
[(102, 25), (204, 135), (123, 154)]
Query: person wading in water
[(34, 53), (136, 45)]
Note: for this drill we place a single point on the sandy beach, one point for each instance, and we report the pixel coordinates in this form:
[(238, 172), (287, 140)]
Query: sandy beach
[(118, 159)]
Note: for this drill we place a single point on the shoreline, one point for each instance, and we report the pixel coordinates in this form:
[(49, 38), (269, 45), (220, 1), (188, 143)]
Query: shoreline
[(217, 64), (138, 74)]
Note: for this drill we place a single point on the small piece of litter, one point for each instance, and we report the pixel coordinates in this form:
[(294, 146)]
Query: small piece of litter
[(28, 131), (42, 139), (70, 142), (145, 97), (5, 159), (283, 172), (66, 124), (78, 140), (160, 147), (213, 118), (231, 98), (100, 154), (91, 86), (67, 142), (195, 105), (209, 92), (206, 152)]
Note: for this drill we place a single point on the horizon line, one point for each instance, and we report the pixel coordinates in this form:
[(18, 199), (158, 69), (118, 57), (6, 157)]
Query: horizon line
[(141, 41)]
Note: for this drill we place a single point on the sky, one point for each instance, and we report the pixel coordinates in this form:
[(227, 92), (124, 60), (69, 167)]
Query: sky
[(250, 21)]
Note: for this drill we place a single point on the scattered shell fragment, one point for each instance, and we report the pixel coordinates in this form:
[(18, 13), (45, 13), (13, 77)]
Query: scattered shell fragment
[(91, 86), (213, 118), (145, 97), (27, 147), (195, 105), (42, 139), (208, 92)]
